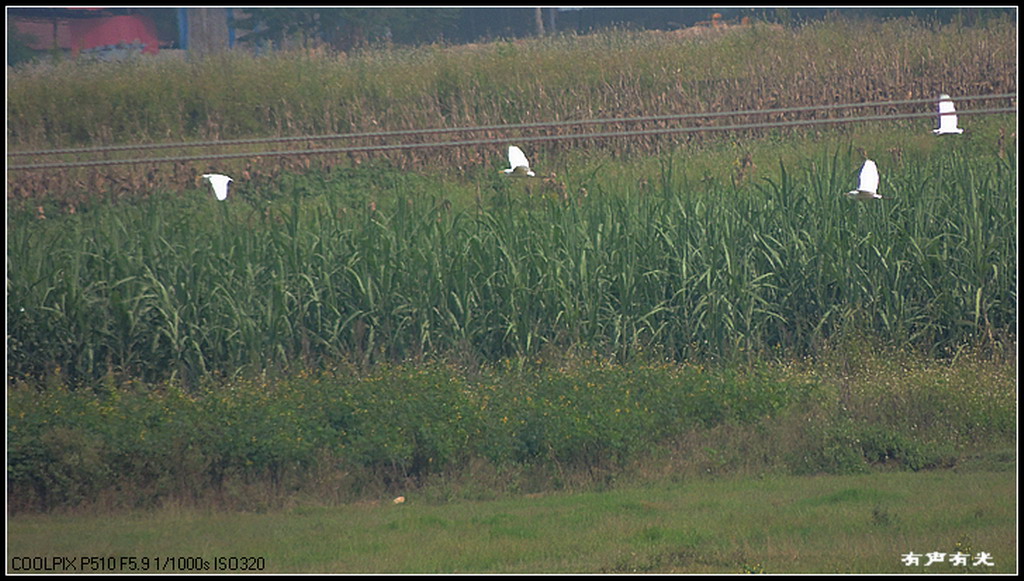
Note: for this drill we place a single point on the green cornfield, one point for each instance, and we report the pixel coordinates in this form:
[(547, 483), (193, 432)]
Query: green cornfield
[(315, 270), (641, 244)]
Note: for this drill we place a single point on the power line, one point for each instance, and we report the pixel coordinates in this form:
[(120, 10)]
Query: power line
[(492, 141), (507, 127)]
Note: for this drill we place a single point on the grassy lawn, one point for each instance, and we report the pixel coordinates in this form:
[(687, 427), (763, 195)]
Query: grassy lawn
[(775, 524)]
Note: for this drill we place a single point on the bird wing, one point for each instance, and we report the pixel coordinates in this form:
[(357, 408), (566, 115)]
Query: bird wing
[(517, 158), (947, 122), (869, 177), (220, 189), (220, 184)]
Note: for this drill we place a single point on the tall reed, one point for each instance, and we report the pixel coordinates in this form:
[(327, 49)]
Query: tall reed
[(322, 269)]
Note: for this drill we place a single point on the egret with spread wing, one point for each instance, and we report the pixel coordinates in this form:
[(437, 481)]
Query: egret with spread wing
[(947, 117), (220, 184), (868, 187), (518, 162)]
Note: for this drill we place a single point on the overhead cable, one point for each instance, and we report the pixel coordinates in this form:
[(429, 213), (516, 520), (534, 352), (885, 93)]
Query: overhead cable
[(492, 140), (506, 127)]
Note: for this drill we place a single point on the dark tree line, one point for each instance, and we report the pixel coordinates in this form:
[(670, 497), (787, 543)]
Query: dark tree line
[(347, 28)]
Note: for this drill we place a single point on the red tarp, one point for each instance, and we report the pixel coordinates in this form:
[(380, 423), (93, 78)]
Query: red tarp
[(92, 32)]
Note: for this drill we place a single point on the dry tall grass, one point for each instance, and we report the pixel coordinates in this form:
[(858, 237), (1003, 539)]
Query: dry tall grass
[(606, 75)]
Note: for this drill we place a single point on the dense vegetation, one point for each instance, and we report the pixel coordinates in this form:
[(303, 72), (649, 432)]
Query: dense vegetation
[(686, 269), (612, 74), (393, 320), (339, 435), (607, 75)]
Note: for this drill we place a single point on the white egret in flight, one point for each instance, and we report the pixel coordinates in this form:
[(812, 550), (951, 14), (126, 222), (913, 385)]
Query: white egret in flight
[(947, 122), (220, 184), (518, 162), (868, 187)]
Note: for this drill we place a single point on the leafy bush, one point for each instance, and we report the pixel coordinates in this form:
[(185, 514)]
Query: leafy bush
[(405, 422), (404, 425)]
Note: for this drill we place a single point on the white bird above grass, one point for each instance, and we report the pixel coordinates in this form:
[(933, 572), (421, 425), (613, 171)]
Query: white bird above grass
[(518, 162), (947, 121), (868, 187), (220, 184)]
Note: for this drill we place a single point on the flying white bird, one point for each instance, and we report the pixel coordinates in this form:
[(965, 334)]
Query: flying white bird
[(947, 123), (220, 184), (868, 188), (517, 159)]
